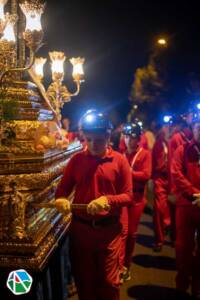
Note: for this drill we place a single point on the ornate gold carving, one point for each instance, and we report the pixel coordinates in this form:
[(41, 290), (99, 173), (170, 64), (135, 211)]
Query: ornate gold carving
[(13, 214), (33, 153), (7, 55), (33, 39), (58, 95), (44, 250), (17, 213)]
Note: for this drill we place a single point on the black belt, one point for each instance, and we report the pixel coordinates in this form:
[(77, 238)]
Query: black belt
[(139, 190), (103, 222)]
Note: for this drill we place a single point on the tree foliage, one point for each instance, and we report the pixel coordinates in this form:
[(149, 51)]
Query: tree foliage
[(147, 85)]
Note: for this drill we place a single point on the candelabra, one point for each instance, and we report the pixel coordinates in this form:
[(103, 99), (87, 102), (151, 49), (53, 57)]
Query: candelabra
[(57, 93)]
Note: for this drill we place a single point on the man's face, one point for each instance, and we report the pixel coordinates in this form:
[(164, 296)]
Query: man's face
[(96, 142), (131, 142), (196, 132)]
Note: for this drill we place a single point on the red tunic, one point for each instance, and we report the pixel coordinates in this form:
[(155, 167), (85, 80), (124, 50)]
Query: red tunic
[(161, 213), (177, 139), (160, 158), (141, 166), (140, 163), (93, 177), (186, 172)]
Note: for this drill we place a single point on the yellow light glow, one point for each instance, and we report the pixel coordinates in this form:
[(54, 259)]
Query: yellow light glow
[(57, 64), (162, 42), (38, 67), (8, 33), (77, 67), (33, 15), (1, 11), (2, 4), (33, 22)]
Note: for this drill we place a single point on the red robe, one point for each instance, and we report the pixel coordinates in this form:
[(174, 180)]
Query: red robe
[(95, 251), (186, 179), (160, 172), (140, 163)]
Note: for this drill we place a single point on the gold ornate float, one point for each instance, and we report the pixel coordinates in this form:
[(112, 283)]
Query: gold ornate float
[(33, 149)]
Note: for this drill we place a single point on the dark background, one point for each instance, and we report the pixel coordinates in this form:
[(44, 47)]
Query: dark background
[(116, 37)]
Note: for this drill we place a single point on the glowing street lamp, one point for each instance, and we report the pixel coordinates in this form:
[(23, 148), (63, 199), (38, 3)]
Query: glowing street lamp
[(162, 42)]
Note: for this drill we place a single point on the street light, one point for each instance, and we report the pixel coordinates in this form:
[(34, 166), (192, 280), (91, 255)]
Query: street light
[(162, 42)]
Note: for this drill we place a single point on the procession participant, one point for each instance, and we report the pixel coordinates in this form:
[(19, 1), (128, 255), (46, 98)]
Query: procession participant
[(180, 135), (186, 179), (102, 180), (160, 176), (140, 167)]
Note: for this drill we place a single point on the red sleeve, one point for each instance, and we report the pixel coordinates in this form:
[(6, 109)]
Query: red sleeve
[(179, 179), (124, 186), (175, 142), (67, 182), (146, 167), (159, 164), (122, 145)]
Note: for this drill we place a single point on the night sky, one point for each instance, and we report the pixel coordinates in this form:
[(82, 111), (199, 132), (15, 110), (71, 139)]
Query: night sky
[(116, 37)]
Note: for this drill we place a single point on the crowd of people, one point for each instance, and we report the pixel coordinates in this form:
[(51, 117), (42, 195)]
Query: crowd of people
[(110, 176)]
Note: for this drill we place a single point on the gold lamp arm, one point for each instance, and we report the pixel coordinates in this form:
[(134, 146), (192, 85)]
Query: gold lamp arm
[(66, 94), (78, 84), (42, 90)]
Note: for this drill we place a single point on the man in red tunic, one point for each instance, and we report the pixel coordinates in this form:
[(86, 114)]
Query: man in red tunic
[(186, 178), (140, 167), (102, 180), (160, 176), (180, 135)]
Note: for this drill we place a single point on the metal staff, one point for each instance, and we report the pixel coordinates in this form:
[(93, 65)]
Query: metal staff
[(52, 205), (73, 206)]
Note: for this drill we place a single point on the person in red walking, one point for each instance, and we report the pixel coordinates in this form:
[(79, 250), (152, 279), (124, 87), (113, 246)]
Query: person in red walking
[(140, 166), (102, 180), (180, 135), (186, 178), (160, 176)]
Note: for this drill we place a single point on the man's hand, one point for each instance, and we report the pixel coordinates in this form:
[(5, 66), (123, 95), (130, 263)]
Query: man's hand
[(98, 205), (63, 205), (197, 199)]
